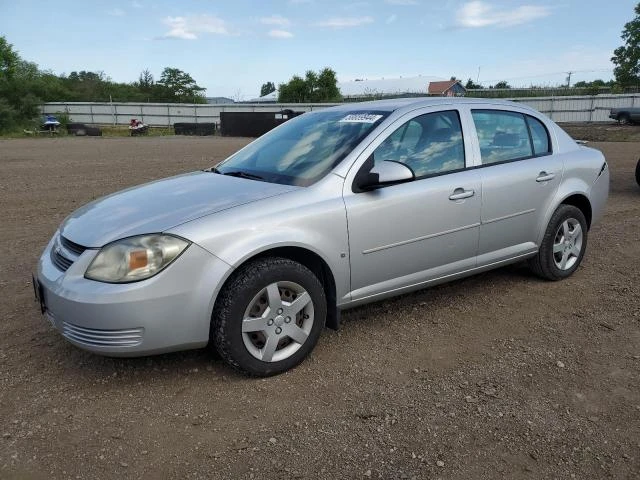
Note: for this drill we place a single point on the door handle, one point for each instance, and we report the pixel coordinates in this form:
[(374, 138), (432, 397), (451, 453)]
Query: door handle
[(461, 193), (545, 177)]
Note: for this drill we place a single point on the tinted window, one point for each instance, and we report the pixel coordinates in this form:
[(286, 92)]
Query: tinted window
[(428, 144), (503, 136), (539, 135)]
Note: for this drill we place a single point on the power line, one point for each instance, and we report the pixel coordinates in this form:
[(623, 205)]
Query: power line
[(548, 75)]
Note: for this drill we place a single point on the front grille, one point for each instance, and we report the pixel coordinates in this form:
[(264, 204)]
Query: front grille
[(65, 252), (129, 337), (63, 263), (71, 246)]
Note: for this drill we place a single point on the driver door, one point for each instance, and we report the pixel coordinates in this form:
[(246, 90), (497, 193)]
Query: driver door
[(407, 234)]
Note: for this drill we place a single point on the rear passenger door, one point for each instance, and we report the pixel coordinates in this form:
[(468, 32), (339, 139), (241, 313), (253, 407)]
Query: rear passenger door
[(519, 176)]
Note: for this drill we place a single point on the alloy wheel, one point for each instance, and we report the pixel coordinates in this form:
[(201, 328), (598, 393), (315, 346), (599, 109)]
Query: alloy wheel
[(277, 321), (567, 244)]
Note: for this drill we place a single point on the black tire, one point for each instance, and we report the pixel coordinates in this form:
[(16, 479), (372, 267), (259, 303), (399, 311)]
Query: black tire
[(624, 119), (240, 289), (638, 172), (81, 132), (72, 128), (543, 264), (93, 132)]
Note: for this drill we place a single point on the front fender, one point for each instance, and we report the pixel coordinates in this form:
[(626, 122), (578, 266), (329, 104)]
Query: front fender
[(317, 225)]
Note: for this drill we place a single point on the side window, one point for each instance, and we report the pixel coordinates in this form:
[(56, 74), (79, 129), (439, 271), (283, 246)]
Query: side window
[(428, 144), (503, 136), (540, 136)]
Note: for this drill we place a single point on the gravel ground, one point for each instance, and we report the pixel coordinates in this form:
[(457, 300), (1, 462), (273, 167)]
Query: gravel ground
[(603, 132), (497, 376)]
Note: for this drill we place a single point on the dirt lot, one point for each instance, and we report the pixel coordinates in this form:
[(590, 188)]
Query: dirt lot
[(497, 376), (603, 132)]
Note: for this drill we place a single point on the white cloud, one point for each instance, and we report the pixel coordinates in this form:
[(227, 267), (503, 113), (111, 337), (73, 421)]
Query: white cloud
[(116, 12), (299, 2), (345, 22), (278, 20), (479, 14), (188, 28), (402, 2), (391, 19), (280, 34), (136, 4)]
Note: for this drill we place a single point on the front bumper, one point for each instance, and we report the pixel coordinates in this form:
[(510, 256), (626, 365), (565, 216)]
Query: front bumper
[(168, 312)]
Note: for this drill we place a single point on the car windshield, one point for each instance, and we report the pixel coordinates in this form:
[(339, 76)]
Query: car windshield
[(304, 149)]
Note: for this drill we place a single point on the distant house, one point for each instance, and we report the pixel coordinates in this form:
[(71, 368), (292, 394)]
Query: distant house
[(449, 88)]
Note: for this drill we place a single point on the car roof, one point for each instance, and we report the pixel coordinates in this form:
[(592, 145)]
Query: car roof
[(394, 104)]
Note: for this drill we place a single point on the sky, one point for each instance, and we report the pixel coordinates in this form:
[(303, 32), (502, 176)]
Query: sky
[(232, 47)]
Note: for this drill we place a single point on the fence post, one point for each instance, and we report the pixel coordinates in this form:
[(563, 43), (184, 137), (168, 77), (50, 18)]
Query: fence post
[(551, 111), (593, 101), (141, 113), (91, 112), (195, 112), (115, 114), (168, 115)]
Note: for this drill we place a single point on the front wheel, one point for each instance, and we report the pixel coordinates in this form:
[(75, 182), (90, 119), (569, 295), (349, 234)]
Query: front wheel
[(638, 172), (563, 244), (269, 316)]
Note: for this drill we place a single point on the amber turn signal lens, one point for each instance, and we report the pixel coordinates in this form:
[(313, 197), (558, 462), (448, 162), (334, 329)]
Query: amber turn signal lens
[(138, 259)]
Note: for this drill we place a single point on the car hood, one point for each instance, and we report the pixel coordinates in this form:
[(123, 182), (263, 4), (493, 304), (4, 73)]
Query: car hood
[(160, 205)]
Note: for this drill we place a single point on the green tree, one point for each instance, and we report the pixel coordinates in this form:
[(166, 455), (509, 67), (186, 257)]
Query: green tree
[(145, 81), (267, 88), (627, 57), (315, 87), (9, 59), (471, 85), (18, 95), (502, 84), (181, 86), (327, 87)]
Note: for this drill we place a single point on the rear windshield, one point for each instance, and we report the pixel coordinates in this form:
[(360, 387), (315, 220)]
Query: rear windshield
[(304, 149)]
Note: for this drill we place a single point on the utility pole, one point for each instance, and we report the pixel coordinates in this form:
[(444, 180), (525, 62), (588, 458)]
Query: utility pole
[(569, 79)]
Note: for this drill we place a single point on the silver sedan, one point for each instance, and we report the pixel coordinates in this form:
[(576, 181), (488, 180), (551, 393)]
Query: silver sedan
[(333, 209)]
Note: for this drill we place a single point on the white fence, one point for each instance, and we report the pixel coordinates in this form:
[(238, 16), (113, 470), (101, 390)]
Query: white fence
[(163, 114), (581, 109), (561, 109)]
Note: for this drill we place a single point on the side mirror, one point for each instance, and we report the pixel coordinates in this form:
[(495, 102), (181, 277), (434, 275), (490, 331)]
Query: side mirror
[(385, 173)]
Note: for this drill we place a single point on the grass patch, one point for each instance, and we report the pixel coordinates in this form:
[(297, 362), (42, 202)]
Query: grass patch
[(107, 131), (123, 131)]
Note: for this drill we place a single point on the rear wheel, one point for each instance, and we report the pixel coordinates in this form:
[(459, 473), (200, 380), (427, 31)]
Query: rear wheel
[(268, 316), (638, 172), (563, 244), (624, 119)]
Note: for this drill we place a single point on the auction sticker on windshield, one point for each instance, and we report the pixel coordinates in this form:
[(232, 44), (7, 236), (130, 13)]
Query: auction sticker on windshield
[(361, 118)]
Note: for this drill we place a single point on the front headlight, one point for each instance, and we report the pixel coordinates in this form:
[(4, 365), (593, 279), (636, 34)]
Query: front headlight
[(135, 258)]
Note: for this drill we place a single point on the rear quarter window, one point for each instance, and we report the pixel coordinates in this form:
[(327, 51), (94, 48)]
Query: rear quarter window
[(539, 136)]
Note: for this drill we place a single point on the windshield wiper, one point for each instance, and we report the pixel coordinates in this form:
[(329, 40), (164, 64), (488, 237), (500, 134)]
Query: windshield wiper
[(241, 174)]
